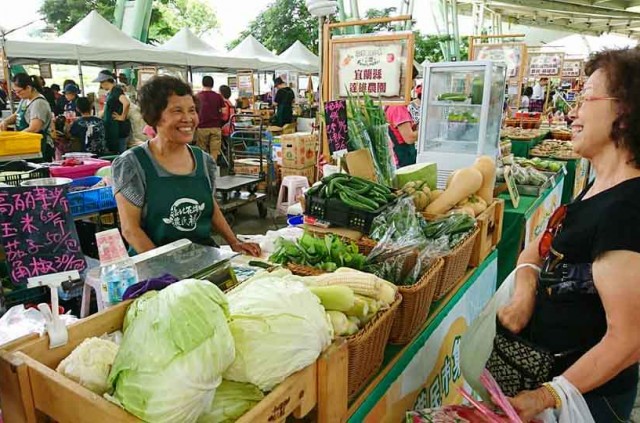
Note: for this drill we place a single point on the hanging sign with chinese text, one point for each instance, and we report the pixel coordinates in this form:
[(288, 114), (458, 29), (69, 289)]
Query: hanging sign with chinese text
[(572, 68), (545, 64), (38, 233), (378, 65), (335, 113)]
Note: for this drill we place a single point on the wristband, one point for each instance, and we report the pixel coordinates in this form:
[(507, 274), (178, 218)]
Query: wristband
[(554, 394)]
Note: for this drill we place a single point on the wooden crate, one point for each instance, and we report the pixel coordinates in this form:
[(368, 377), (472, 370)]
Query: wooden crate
[(31, 390), (490, 225)]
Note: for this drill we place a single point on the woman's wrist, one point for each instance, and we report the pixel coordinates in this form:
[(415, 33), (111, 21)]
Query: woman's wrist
[(551, 398)]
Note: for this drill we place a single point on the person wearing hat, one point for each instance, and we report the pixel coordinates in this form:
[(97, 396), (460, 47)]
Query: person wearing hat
[(284, 103), (116, 108), (69, 108)]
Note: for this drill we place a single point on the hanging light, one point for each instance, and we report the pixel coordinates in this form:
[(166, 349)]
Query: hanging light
[(320, 8)]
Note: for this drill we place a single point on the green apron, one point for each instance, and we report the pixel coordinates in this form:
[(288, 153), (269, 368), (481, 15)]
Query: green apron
[(406, 154), (46, 147), (178, 206), (111, 127)]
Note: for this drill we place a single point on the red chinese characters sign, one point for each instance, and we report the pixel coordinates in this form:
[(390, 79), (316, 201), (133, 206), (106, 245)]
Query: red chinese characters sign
[(38, 233)]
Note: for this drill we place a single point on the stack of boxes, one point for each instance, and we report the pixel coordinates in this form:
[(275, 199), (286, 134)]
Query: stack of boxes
[(299, 155)]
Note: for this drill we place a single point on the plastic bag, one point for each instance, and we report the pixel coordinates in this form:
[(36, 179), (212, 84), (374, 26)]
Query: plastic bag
[(477, 342), (574, 407), (18, 322)]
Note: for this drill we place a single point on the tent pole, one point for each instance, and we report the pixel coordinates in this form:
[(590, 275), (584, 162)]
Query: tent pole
[(81, 78), (190, 75), (6, 71)]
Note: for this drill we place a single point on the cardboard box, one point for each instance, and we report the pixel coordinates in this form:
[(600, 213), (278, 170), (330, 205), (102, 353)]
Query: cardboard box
[(299, 150), (360, 163), (248, 166)]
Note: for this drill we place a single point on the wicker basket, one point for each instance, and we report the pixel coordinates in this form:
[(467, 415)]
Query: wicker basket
[(366, 348), (366, 245), (416, 301), (455, 265)]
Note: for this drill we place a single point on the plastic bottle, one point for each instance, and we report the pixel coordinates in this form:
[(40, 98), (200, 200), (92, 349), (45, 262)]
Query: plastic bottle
[(115, 278)]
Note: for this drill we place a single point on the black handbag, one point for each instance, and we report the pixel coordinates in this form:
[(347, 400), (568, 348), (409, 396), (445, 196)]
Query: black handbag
[(517, 364), (124, 128)]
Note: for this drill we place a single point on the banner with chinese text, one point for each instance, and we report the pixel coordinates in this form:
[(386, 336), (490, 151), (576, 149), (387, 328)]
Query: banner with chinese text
[(545, 64)]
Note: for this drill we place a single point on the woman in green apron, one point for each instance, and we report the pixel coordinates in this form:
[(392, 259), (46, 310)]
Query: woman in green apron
[(116, 109), (165, 188), (33, 113)]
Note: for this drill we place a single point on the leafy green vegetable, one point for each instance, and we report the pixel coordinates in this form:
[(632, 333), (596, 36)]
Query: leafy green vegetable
[(231, 401), (328, 253), (173, 353)]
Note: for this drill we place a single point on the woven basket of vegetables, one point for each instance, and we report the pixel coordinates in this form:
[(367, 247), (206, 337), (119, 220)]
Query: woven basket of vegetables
[(416, 302), (366, 348), (455, 264)]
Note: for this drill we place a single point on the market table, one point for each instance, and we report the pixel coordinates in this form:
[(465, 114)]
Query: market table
[(521, 147), (523, 224), (426, 372)]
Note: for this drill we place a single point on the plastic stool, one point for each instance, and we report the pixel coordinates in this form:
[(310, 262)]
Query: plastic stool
[(290, 188), (91, 281)]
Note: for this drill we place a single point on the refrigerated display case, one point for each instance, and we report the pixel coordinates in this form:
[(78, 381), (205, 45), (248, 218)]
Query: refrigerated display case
[(462, 105)]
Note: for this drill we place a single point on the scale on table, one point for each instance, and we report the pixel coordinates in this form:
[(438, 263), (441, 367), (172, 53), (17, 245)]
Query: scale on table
[(184, 259)]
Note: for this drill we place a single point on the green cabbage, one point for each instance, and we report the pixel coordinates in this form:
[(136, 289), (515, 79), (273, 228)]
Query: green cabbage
[(173, 354), (231, 401), (279, 328), (89, 364)]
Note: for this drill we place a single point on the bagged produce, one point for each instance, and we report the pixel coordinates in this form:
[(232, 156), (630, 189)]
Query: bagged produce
[(279, 327), (175, 348), (231, 401)]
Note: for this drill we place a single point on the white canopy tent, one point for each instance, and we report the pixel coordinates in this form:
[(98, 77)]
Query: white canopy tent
[(264, 60), (584, 45), (301, 57), (201, 56)]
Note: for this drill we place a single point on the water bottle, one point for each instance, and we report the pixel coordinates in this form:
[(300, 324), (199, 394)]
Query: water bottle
[(116, 278)]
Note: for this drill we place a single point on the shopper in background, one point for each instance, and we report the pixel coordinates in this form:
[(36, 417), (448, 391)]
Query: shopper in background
[(114, 115), (56, 92), (284, 103), (209, 133), (3, 97), (69, 108), (33, 113), (539, 89), (402, 132), (165, 188), (228, 110), (414, 108), (128, 88), (88, 129), (47, 92), (61, 99), (526, 97), (584, 306)]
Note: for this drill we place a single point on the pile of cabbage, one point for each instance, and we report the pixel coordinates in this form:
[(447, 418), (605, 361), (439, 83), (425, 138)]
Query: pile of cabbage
[(191, 354)]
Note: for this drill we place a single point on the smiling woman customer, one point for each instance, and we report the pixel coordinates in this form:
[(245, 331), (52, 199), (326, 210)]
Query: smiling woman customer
[(165, 188), (584, 306)]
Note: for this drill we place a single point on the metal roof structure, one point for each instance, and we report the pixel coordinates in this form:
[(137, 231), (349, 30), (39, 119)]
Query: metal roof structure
[(592, 17)]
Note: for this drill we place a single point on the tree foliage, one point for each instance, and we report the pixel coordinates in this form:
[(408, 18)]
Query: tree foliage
[(167, 16), (281, 24)]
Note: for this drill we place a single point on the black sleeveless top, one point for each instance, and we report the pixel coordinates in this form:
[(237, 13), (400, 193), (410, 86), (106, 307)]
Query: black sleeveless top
[(569, 315)]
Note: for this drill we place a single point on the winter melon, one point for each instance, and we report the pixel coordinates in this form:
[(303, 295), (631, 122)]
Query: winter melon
[(427, 172)]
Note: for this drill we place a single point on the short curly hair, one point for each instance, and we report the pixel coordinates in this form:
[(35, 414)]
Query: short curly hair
[(622, 68), (154, 96)]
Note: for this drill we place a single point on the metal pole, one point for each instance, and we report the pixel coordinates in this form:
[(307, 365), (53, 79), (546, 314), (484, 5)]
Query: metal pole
[(7, 73), (456, 37), (81, 78)]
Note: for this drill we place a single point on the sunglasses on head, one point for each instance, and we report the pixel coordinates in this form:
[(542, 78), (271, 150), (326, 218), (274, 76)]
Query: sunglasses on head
[(553, 227)]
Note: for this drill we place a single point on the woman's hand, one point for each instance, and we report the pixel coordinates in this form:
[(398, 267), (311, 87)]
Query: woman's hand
[(119, 118), (248, 248), (529, 404), (517, 314)]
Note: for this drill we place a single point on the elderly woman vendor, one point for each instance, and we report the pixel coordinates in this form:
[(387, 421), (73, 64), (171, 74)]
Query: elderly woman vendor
[(584, 305), (165, 188)]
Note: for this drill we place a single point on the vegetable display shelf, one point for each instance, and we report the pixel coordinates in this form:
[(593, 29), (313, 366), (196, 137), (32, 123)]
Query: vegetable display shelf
[(31, 387), (414, 375), (521, 147), (576, 178), (522, 224)]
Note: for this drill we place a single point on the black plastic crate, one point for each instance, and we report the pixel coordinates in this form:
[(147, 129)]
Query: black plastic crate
[(336, 212), (27, 171)]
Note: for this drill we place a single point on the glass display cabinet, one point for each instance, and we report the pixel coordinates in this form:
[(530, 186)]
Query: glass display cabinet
[(461, 113)]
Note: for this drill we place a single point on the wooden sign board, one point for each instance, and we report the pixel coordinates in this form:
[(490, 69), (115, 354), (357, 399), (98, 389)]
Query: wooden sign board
[(511, 185), (245, 84), (572, 68), (379, 65), (145, 74), (545, 65), (511, 54), (232, 82), (38, 233), (45, 70)]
